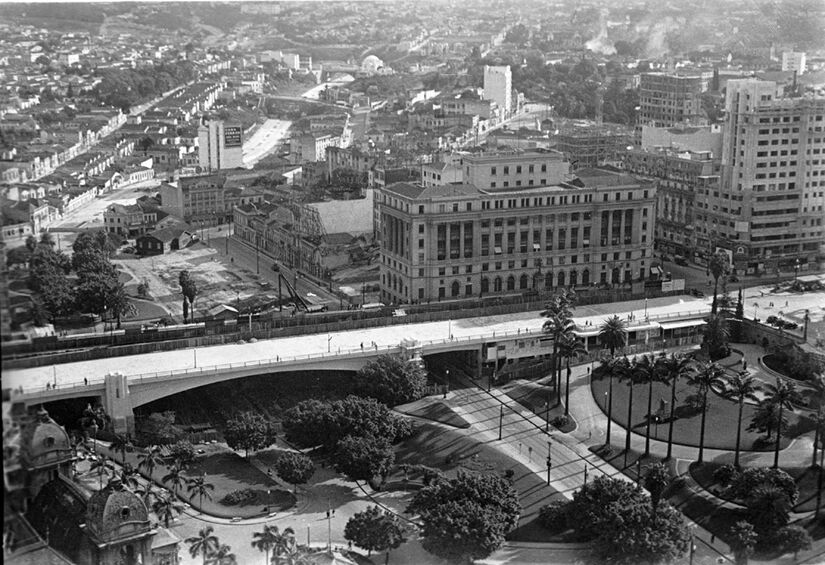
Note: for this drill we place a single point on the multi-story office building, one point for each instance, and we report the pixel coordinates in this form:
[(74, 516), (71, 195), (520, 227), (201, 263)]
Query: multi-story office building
[(679, 176), (498, 87), (515, 169), (220, 145), (668, 100), (205, 200), (769, 212), (794, 61), (466, 240)]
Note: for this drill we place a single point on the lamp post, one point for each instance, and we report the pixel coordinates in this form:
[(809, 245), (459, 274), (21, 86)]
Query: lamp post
[(500, 420), (796, 269), (549, 459), (585, 476), (609, 420)]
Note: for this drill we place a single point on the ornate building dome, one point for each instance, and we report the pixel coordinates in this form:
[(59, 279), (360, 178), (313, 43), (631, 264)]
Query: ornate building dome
[(115, 513), (44, 443)]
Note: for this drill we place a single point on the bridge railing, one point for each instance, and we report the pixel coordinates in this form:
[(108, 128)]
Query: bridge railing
[(140, 378), (143, 378)]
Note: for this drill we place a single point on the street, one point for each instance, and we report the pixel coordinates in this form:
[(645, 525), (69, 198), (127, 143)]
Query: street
[(266, 139)]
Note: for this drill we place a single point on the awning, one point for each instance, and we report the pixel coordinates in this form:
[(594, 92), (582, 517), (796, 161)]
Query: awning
[(589, 332), (643, 327), (497, 250), (682, 324), (656, 270), (536, 247)]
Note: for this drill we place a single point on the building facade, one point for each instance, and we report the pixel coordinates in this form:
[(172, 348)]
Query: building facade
[(592, 146), (668, 100), (220, 145), (498, 87), (679, 177), (794, 61), (515, 169), (462, 240), (770, 209)]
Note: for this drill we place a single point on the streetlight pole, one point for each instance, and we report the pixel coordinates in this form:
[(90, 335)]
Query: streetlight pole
[(796, 270), (549, 459), (500, 420), (585, 476)]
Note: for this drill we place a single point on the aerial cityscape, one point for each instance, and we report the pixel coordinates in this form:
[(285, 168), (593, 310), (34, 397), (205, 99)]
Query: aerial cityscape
[(445, 281)]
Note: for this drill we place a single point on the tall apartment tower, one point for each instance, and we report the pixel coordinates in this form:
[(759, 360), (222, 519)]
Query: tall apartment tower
[(669, 100), (769, 209), (794, 61), (498, 86), (220, 145)]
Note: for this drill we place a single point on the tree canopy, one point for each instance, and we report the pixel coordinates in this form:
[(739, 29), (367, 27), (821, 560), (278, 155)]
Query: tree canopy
[(295, 468), (364, 458), (249, 430), (312, 422), (466, 517), (392, 380), (375, 530)]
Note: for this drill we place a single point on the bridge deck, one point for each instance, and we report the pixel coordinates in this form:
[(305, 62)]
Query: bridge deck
[(430, 335)]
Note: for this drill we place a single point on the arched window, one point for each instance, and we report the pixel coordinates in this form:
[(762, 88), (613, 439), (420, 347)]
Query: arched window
[(574, 278), (497, 284), (523, 282), (511, 283), (485, 284), (561, 278), (586, 277), (455, 288), (548, 281)]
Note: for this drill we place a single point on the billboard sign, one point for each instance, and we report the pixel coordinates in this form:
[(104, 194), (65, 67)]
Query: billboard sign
[(232, 136)]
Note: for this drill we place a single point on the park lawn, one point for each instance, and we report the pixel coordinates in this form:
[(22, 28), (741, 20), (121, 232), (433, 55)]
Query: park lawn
[(535, 396), (146, 310), (228, 471), (806, 480), (451, 450), (721, 419)]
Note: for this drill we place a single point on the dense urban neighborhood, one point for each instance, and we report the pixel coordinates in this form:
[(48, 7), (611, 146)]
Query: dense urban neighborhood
[(351, 282)]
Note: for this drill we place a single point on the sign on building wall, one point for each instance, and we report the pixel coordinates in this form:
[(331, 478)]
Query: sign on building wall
[(232, 136)]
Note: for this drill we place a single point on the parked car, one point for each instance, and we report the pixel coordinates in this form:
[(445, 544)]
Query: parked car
[(679, 260), (772, 320), (697, 293), (733, 278), (789, 325)]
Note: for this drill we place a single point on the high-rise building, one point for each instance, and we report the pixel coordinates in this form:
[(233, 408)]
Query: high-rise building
[(667, 100), (794, 61), (498, 86), (220, 145), (462, 240), (768, 212)]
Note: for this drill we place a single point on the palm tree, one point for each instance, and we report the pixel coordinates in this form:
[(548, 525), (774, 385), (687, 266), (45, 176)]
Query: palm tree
[(742, 541), (174, 478), (150, 460), (718, 266), (198, 486), (818, 383), (647, 370), (221, 556), (557, 326), (204, 543), (613, 335), (559, 314), (569, 347), (265, 540), (119, 444), (741, 387), (284, 545), (783, 395), (166, 509), (129, 477), (708, 376), (102, 465), (627, 372), (674, 368)]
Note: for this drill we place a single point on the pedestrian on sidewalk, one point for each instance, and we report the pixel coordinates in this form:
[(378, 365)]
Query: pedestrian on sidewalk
[(85, 381)]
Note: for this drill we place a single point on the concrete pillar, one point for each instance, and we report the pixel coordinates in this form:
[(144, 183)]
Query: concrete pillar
[(117, 403)]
